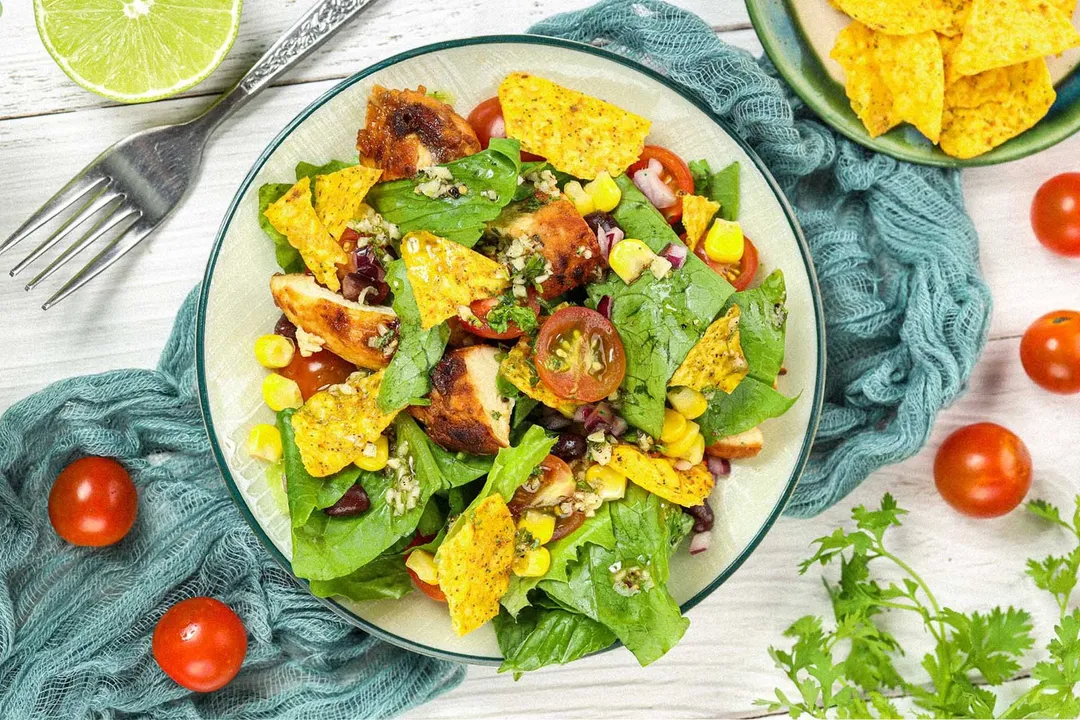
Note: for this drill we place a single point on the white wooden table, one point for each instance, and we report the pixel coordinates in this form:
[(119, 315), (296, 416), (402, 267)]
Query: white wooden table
[(49, 128)]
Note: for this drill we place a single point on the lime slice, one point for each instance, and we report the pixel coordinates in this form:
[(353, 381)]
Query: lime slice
[(138, 50)]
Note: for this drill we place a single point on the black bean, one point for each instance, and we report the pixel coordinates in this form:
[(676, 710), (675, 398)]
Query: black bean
[(600, 219), (703, 516), (355, 501), (570, 446), (285, 328)]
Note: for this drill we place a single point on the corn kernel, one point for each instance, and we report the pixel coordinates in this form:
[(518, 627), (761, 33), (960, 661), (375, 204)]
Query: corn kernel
[(274, 351), (681, 447), (423, 564), (540, 525), (689, 402), (724, 242), (697, 451), (264, 442), (608, 483), (581, 199), (604, 192), (280, 392), (629, 258), (534, 563), (376, 460), (674, 426)]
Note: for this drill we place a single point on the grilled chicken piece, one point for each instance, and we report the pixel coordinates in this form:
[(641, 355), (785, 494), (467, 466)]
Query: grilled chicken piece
[(353, 331), (566, 242), (407, 131), (467, 413), (746, 444)]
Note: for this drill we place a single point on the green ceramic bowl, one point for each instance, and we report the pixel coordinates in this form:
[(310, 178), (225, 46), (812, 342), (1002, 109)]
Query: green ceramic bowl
[(789, 29)]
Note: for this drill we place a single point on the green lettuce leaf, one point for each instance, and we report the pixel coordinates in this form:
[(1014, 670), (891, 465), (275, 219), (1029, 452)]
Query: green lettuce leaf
[(288, 257), (305, 492), (383, 578), (721, 187), (749, 404), (460, 468), (306, 169), (513, 465), (762, 326), (544, 636)]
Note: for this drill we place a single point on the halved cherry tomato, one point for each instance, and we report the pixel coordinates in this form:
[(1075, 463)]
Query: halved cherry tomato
[(93, 502), (1055, 214), (676, 175), (317, 371), (481, 308), (200, 643), (432, 591), (556, 482), (983, 470), (487, 122), (579, 355), (1050, 351), (739, 274)]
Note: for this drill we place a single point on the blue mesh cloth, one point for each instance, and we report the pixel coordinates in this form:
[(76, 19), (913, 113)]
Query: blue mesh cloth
[(906, 309)]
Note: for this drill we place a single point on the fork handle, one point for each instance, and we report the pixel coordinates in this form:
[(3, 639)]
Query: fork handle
[(324, 19)]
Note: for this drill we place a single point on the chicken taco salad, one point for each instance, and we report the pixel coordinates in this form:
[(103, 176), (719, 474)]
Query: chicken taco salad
[(518, 350)]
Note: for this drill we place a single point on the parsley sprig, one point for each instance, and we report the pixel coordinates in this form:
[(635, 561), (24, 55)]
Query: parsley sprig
[(849, 671)]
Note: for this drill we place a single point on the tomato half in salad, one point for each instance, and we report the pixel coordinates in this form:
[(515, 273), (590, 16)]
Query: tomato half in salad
[(579, 355), (317, 371), (675, 174), (482, 308), (487, 122), (739, 274)]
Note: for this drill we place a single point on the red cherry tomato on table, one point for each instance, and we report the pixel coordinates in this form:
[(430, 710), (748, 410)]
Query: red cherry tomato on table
[(432, 591), (316, 371), (481, 308), (1050, 351), (676, 175), (983, 470), (579, 355), (93, 502), (200, 643), (1055, 214), (739, 274), (487, 122)]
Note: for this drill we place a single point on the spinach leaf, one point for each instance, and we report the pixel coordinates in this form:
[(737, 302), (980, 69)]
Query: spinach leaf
[(721, 187), (432, 520), (383, 578), (460, 468), (335, 487), (762, 323), (305, 492), (459, 218), (522, 407), (288, 257), (306, 169), (542, 636), (639, 219), (407, 379), (749, 404)]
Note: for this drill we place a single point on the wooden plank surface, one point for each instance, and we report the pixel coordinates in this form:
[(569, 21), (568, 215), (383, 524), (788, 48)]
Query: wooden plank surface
[(49, 128)]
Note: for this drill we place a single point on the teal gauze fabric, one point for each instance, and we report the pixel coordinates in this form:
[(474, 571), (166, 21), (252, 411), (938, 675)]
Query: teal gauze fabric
[(906, 309)]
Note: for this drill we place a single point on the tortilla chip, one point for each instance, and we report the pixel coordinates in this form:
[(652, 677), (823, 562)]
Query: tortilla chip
[(578, 134), (517, 369), (474, 564), (446, 275), (913, 69), (870, 97), (697, 213), (901, 17), (1000, 33), (338, 196), (985, 110), (948, 50), (1066, 6), (659, 476), (294, 216), (335, 425), (717, 361)]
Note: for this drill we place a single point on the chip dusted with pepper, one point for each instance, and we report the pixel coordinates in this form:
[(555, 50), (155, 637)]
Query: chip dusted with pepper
[(658, 475), (1000, 33), (338, 195), (446, 276), (577, 134), (518, 370), (294, 216), (339, 425), (697, 213), (901, 17), (717, 361), (474, 564)]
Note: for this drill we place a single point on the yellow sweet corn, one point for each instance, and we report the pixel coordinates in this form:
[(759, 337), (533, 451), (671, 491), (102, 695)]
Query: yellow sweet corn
[(629, 258), (581, 199), (423, 564), (264, 442), (674, 426), (534, 563), (608, 483), (724, 242), (377, 460), (681, 447), (689, 402), (604, 192), (539, 524), (697, 450), (274, 351), (280, 392)]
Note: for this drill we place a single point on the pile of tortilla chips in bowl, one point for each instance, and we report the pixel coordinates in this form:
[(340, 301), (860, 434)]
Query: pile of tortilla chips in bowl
[(945, 82)]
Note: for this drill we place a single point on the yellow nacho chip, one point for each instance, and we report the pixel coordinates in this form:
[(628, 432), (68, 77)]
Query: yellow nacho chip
[(959, 10), (697, 213), (578, 134), (1000, 33), (870, 97), (294, 216), (338, 195), (1066, 6), (983, 111), (717, 361), (900, 17), (446, 275), (474, 564), (659, 476), (335, 425), (519, 372)]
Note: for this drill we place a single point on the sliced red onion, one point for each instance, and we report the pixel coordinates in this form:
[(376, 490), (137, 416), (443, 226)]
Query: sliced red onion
[(604, 306), (368, 266), (355, 285), (648, 181), (608, 237), (498, 128), (619, 426), (675, 253), (719, 467), (598, 417), (700, 543), (581, 413)]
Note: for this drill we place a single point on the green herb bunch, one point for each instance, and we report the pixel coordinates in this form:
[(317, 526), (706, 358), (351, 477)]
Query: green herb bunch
[(848, 671)]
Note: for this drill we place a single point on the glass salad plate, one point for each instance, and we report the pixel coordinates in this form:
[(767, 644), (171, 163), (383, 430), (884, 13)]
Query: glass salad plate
[(236, 306)]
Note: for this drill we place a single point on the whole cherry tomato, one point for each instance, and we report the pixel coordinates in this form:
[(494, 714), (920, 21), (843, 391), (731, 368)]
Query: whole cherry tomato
[(200, 643), (579, 355), (316, 371), (983, 470), (481, 308), (487, 122), (1055, 214), (432, 591), (676, 175), (739, 274), (93, 502), (1050, 351)]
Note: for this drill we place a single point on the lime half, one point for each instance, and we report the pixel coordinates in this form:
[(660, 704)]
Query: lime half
[(138, 50)]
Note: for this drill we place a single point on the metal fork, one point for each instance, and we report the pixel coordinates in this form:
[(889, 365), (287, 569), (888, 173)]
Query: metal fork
[(134, 185)]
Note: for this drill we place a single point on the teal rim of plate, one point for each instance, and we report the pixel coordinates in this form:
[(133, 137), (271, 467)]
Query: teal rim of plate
[(782, 36), (200, 334)]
